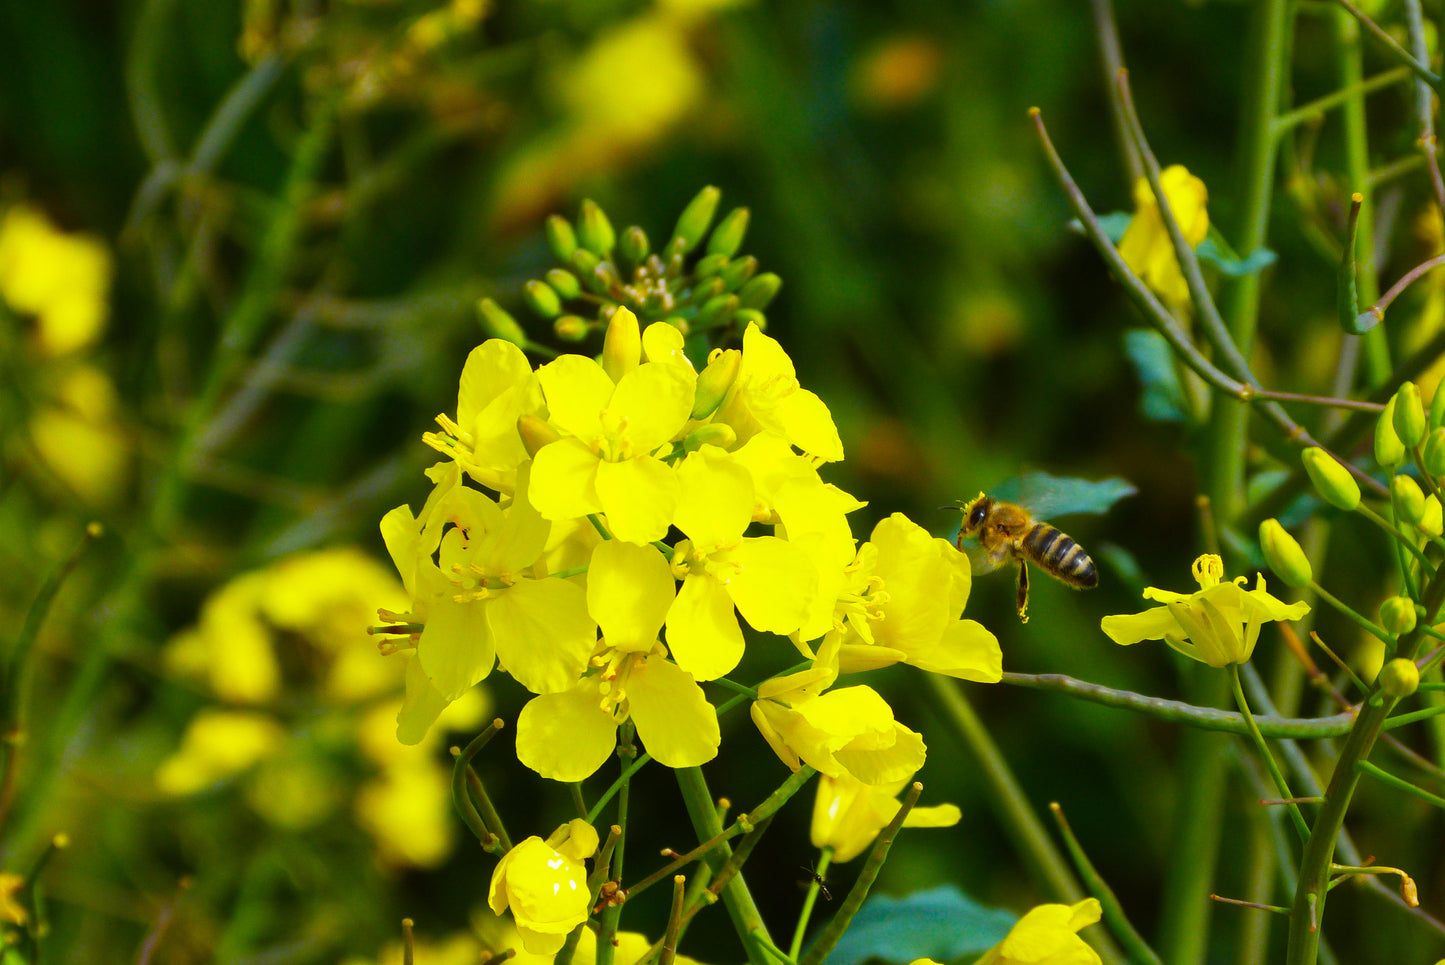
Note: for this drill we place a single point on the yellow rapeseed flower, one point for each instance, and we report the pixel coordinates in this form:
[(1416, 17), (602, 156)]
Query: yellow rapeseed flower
[(766, 395), (771, 581), (848, 814), (567, 736), (1218, 624), (1048, 935), (218, 744), (497, 387), (545, 886), (61, 279), (1146, 247)]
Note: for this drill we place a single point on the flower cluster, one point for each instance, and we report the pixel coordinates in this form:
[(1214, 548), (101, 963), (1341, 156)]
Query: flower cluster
[(548, 522), (246, 650)]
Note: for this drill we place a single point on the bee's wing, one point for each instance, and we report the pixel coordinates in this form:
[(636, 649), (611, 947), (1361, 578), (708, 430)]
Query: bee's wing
[(980, 559), (1047, 496)]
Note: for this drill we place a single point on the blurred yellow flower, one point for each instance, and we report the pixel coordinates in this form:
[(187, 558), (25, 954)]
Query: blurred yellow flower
[(61, 279), (79, 436), (848, 814), (1048, 935), (897, 72), (1146, 247), (218, 744), (545, 886), (1218, 624)]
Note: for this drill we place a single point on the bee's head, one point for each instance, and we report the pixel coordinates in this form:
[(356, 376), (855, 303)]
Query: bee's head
[(974, 513)]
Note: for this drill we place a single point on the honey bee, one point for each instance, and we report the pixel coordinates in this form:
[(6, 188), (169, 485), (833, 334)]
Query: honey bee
[(1007, 531)]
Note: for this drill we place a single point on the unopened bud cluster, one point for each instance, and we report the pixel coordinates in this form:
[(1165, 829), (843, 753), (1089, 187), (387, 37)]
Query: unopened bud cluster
[(695, 282)]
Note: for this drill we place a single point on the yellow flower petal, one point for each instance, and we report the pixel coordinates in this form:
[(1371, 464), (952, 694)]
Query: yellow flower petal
[(702, 629), (563, 482), (639, 497), (716, 501), (675, 722), (651, 403), (629, 590), (577, 390), (771, 581), (566, 736), (542, 632)]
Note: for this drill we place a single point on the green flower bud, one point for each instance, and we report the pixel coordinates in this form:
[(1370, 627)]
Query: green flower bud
[(696, 218), (727, 237), (535, 433), (564, 283), (622, 348), (1409, 417), (634, 246), (541, 299), (716, 311), (1284, 555), (499, 323), (718, 434), (594, 231), (1400, 677), (1408, 499), (760, 291), (1331, 479), (738, 272), (1397, 614), (561, 238), (710, 265), (714, 381), (1435, 450), (1437, 406), (571, 328), (744, 317), (582, 262), (1389, 450), (1432, 523)]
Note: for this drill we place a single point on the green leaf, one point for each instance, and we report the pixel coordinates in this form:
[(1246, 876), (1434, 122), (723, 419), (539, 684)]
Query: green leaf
[(1114, 224), (941, 923), (1048, 496), (1215, 250), (1163, 399)]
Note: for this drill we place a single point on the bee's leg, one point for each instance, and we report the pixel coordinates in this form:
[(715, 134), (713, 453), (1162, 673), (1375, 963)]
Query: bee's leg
[(1023, 597)]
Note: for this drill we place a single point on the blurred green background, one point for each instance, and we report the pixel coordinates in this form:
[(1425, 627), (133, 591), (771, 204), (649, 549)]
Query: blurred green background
[(304, 202)]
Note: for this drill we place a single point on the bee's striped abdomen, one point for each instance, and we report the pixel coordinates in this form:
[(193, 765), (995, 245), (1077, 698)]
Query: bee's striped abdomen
[(1060, 556)]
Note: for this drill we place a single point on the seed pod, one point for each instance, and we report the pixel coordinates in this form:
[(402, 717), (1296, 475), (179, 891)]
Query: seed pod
[(1283, 554), (1331, 479), (1400, 677), (1397, 614), (561, 238), (499, 323), (1389, 450), (696, 218), (1408, 498), (594, 231), (727, 237), (542, 299), (1409, 417)]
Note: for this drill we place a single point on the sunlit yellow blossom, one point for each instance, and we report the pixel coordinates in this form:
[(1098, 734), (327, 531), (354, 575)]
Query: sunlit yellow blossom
[(61, 279), (408, 810), (848, 814), (478, 604), (905, 595), (1048, 935), (567, 736), (458, 949), (771, 581), (499, 935), (218, 744), (848, 730), (11, 909), (1217, 625), (605, 462), (767, 396), (1146, 247), (296, 788), (545, 887), (497, 387)]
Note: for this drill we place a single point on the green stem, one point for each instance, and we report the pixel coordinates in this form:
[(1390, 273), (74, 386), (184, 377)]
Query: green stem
[(1315, 108), (739, 901), (1134, 944), (612, 914), (1275, 773), (1400, 784), (815, 887), (1399, 53), (1024, 828)]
